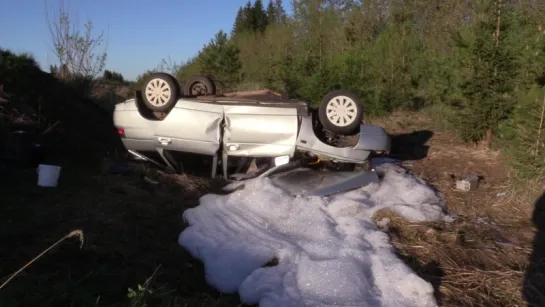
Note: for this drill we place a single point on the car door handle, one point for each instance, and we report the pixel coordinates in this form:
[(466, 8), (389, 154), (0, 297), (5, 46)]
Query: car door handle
[(233, 147), (165, 141)]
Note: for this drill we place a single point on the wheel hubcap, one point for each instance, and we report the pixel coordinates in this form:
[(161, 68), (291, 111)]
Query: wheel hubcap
[(341, 111), (158, 92)]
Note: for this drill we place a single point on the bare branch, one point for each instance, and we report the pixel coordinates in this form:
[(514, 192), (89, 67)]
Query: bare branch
[(169, 65), (76, 48)]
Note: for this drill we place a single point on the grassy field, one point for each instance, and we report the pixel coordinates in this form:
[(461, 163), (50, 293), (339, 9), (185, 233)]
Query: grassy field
[(130, 255)]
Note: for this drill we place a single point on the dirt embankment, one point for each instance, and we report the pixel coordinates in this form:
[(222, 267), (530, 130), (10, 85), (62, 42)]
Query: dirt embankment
[(61, 114)]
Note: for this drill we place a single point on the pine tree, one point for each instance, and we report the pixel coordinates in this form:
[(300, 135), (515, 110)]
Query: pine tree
[(259, 16), (489, 90), (107, 75), (249, 17), (220, 58), (524, 134), (280, 13), (271, 13), (240, 22)]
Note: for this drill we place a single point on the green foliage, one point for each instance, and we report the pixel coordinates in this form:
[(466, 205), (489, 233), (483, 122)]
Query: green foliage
[(190, 68), (255, 18), (113, 76), (395, 55), (490, 87), (523, 135), (13, 65), (240, 22), (258, 20), (220, 58), (138, 297)]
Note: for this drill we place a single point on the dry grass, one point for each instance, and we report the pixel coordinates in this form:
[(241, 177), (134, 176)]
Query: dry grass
[(481, 258), (74, 233), (467, 262)]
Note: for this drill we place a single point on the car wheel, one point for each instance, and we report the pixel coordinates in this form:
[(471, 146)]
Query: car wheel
[(341, 112), (199, 86), (160, 91)]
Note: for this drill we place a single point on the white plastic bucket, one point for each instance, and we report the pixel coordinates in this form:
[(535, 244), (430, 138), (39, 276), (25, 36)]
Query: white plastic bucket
[(48, 175)]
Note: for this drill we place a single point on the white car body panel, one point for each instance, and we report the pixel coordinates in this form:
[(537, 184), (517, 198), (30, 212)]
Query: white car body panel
[(232, 127), (199, 131), (257, 131)]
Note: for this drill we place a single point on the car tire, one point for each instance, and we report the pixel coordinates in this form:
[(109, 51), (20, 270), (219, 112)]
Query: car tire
[(160, 91), (199, 86), (341, 112)]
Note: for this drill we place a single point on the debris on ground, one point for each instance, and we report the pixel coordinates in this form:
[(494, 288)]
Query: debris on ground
[(467, 183)]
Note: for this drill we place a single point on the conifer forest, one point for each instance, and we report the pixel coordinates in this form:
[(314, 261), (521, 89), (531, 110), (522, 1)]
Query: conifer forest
[(479, 66)]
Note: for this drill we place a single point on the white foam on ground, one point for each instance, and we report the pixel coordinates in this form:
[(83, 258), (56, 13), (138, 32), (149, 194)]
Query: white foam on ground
[(329, 251)]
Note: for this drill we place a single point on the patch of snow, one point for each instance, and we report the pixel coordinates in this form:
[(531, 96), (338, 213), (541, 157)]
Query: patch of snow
[(328, 250)]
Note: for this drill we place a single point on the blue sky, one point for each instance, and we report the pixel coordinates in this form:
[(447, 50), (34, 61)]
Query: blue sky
[(139, 33)]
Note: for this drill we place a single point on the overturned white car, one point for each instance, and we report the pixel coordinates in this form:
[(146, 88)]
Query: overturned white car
[(166, 118)]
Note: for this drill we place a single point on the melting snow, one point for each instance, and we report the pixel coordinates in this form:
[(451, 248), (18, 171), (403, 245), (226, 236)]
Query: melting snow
[(328, 250)]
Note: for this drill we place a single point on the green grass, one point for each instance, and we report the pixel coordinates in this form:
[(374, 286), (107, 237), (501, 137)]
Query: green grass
[(130, 246)]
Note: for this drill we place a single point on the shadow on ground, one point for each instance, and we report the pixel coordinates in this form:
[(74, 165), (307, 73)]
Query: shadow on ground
[(131, 229), (534, 280), (410, 146)]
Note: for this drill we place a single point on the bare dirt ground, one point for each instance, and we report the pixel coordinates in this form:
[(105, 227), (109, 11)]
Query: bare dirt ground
[(480, 259), (131, 227)]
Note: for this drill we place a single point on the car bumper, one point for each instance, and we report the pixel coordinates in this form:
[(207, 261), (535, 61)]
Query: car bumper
[(373, 138)]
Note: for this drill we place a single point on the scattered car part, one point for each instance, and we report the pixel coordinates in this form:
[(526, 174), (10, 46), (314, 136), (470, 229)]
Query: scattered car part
[(309, 182), (357, 180), (280, 168), (467, 183)]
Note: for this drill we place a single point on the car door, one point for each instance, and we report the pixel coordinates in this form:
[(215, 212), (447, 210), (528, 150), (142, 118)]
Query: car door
[(191, 126), (259, 131)]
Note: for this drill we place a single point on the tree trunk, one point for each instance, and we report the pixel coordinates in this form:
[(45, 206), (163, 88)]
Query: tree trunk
[(488, 138)]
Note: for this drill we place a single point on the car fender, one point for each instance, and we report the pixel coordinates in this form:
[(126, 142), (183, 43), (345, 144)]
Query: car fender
[(373, 138)]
